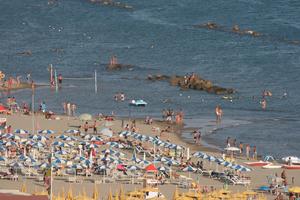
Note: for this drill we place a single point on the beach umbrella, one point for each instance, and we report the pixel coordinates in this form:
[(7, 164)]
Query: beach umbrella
[(236, 167), (189, 169), (7, 135), (107, 132), (21, 131), (72, 131), (38, 145), (3, 158), (151, 168), (198, 154), (244, 169), (135, 159), (95, 138), (17, 165), (44, 165), (211, 158), (226, 164), (87, 137), (10, 143), (14, 137), (42, 138), (115, 145), (171, 162), (144, 162), (268, 158), (59, 161), (2, 148), (162, 169), (118, 154), (62, 152), (57, 143), (64, 145), (133, 168), (70, 139), (46, 131), (30, 160), (110, 151), (85, 117), (79, 158), (77, 166), (86, 162), (90, 146)]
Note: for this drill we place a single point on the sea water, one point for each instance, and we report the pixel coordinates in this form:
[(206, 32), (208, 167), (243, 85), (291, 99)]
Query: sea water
[(157, 37)]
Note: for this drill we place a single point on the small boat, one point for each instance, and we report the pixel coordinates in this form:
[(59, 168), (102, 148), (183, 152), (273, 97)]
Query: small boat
[(293, 159), (257, 163), (271, 166), (291, 166), (138, 102)]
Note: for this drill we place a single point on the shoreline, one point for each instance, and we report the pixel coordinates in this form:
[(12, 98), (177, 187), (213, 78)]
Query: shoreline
[(22, 86)]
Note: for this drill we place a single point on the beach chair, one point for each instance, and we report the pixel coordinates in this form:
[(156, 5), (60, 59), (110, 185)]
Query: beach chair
[(71, 179)]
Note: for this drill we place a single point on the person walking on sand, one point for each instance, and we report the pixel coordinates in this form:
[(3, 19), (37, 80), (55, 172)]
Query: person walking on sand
[(64, 104), (86, 127), (69, 109), (254, 152), (73, 109), (95, 127), (247, 151), (241, 148)]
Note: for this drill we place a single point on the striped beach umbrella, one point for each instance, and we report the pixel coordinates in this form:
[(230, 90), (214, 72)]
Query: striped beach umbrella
[(171, 162), (62, 152), (57, 143), (189, 169), (38, 145), (14, 137), (2, 158), (133, 168), (72, 131), (95, 138), (46, 131), (244, 169), (21, 131), (10, 143)]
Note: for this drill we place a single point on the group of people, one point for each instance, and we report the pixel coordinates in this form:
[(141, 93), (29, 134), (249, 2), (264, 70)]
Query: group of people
[(263, 102), (120, 96), (169, 115), (188, 78), (197, 136), (69, 108), (245, 149), (86, 127)]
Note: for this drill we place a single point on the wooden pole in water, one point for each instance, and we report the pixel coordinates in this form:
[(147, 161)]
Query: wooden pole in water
[(96, 87), (32, 107), (56, 83), (51, 74)]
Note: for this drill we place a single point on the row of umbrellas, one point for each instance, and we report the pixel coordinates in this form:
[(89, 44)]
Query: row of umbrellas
[(221, 161), (153, 140)]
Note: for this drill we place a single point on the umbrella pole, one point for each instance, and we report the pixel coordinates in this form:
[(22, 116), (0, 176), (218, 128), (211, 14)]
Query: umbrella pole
[(51, 176), (96, 88), (32, 110)]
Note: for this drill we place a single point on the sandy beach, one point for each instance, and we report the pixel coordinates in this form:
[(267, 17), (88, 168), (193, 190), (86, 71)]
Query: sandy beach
[(258, 175)]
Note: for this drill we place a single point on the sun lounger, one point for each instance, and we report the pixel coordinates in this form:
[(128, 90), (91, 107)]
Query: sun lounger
[(71, 179)]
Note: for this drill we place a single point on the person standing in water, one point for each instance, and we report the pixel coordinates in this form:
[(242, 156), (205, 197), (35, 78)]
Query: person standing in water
[(263, 104), (60, 79), (219, 113)]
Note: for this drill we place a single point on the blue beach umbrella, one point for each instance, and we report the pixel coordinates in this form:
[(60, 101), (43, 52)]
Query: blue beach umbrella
[(21, 131), (3, 158), (38, 145), (14, 137), (244, 169)]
